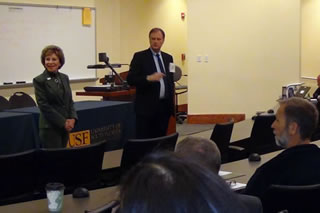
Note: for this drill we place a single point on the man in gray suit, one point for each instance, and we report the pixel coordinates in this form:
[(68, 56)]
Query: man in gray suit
[(54, 99)]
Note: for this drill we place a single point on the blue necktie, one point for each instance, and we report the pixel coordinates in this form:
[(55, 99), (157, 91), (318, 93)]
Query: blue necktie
[(165, 79), (160, 64)]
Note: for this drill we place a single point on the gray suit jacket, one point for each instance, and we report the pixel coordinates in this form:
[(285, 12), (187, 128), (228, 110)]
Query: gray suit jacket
[(55, 107)]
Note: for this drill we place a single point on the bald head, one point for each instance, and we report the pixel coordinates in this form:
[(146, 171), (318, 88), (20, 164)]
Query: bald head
[(202, 150)]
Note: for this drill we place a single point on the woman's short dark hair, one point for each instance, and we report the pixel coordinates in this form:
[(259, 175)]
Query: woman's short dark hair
[(164, 182), (52, 49), (156, 29)]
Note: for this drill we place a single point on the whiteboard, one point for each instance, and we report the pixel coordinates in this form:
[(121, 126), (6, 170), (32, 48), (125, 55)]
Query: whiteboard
[(26, 30)]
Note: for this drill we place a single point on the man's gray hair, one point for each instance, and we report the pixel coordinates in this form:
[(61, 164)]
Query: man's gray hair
[(202, 150), (302, 112)]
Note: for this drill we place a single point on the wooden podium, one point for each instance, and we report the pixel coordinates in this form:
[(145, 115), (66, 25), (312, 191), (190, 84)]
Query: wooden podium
[(121, 95)]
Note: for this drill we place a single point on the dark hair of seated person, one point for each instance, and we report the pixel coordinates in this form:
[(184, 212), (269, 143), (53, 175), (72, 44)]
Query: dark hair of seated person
[(164, 182)]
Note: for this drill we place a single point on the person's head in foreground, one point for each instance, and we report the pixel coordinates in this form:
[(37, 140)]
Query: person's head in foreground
[(201, 149), (296, 120), (166, 183)]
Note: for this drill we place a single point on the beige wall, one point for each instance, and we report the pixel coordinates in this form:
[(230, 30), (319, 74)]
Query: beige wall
[(108, 30), (123, 27), (139, 16), (253, 49), (310, 38)]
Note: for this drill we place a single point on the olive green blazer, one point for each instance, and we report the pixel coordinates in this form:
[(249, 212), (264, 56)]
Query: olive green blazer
[(55, 106)]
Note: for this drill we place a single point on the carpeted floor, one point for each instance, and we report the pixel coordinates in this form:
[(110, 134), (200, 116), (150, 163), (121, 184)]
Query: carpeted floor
[(189, 129)]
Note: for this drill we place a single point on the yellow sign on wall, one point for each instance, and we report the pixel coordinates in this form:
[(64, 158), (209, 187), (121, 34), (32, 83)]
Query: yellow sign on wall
[(86, 16), (81, 138)]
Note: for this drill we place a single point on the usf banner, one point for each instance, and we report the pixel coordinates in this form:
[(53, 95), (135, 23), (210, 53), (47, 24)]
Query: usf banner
[(81, 138)]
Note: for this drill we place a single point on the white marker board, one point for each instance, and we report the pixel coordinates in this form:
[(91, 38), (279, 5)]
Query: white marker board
[(25, 30)]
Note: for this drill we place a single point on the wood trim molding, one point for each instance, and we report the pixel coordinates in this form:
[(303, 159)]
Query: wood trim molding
[(183, 108), (214, 118)]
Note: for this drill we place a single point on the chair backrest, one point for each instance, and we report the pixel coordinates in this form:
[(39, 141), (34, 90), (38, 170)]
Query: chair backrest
[(18, 174), (221, 135), (107, 208), (262, 138), (135, 149), (73, 167), (292, 198), (4, 103), (20, 100), (177, 74)]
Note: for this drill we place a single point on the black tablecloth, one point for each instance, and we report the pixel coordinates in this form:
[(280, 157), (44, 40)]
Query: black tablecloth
[(18, 132), (112, 121)]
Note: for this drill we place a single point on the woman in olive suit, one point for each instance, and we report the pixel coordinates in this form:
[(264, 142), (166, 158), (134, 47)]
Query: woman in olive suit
[(54, 99)]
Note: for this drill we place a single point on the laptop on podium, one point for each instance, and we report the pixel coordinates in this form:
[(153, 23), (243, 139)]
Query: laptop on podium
[(302, 91)]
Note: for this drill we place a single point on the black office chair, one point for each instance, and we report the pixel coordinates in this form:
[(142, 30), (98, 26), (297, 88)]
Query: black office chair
[(221, 135), (135, 149), (262, 139), (20, 100), (4, 103), (294, 199), (107, 208), (74, 167), (179, 89), (17, 179)]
